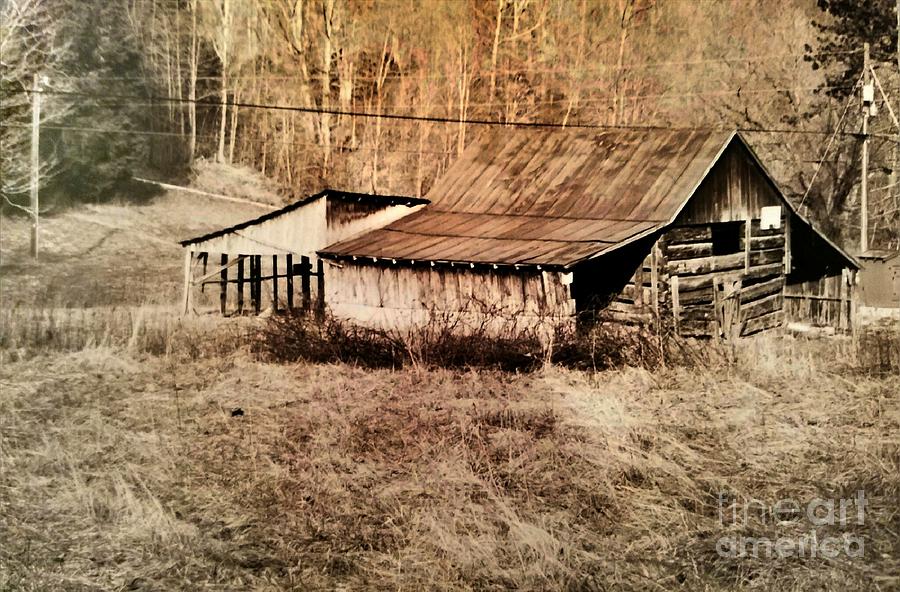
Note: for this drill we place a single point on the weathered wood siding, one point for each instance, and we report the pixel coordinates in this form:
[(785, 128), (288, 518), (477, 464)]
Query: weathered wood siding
[(734, 190), (403, 296), (307, 229), (821, 289), (828, 301), (347, 218), (301, 231)]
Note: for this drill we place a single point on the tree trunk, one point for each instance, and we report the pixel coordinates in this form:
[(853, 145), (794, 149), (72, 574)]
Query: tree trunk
[(220, 154), (192, 83)]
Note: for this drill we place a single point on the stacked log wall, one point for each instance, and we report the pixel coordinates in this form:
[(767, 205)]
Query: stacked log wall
[(692, 266), (682, 289)]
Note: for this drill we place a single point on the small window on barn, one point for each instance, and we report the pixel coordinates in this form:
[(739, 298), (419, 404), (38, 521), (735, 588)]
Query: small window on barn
[(726, 238)]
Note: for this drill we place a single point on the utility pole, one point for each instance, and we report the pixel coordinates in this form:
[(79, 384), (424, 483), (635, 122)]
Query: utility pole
[(35, 164), (868, 99)]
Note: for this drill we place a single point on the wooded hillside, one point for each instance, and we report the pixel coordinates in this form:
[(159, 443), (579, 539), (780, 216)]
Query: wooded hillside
[(382, 95)]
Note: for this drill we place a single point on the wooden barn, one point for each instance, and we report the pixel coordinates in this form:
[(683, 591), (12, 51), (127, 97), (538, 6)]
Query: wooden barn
[(263, 256), (684, 228)]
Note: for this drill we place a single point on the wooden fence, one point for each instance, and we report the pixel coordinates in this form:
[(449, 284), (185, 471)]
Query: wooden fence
[(249, 284)]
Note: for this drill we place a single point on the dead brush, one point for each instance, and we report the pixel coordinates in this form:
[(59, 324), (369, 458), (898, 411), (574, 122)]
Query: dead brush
[(493, 342)]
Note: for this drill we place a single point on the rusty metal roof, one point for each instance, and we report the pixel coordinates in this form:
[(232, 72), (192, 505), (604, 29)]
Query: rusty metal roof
[(548, 197)]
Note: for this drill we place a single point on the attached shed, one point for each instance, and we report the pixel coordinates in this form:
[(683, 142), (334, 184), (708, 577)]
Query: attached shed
[(879, 279), (684, 228), (267, 253)]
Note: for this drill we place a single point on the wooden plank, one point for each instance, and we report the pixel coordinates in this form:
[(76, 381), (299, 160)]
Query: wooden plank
[(747, 244), (306, 297), (761, 307), (676, 306), (630, 316), (766, 257), (689, 234), (289, 283), (240, 284), (255, 286), (274, 283), (752, 292), (697, 328), (788, 262), (320, 289), (205, 258), (759, 243), (755, 273), (186, 297), (702, 312), (689, 251), (815, 297), (223, 290), (764, 322), (702, 295), (706, 264)]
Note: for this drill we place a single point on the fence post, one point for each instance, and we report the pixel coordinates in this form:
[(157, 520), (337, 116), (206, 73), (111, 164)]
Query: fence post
[(320, 290), (304, 283), (289, 283), (257, 283), (240, 284), (223, 292), (274, 283)]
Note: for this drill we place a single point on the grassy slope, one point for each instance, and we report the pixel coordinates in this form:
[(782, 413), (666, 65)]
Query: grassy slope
[(121, 466), (109, 254)]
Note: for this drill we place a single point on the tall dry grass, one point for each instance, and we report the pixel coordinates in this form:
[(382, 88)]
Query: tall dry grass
[(125, 465), (150, 329)]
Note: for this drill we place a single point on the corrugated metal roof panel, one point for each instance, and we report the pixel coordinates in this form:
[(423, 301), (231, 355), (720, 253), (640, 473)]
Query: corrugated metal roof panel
[(480, 238), (549, 196)]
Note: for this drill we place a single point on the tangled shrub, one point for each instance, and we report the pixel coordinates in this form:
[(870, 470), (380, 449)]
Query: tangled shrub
[(291, 338)]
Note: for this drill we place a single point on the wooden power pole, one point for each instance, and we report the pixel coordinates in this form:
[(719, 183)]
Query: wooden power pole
[(35, 164), (868, 98)]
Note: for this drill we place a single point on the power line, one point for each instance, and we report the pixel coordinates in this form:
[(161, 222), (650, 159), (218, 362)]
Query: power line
[(338, 148), (438, 119), (560, 101), (830, 142)]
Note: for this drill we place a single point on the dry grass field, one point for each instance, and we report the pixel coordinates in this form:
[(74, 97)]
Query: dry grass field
[(125, 465)]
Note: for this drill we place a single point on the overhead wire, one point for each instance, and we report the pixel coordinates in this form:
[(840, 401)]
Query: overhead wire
[(829, 144), (428, 118)]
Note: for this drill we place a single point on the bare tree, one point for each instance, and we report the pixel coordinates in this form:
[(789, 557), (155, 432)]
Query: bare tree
[(31, 51)]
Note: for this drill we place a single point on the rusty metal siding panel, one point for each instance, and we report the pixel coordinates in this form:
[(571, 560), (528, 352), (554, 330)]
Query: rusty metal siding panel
[(879, 282)]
